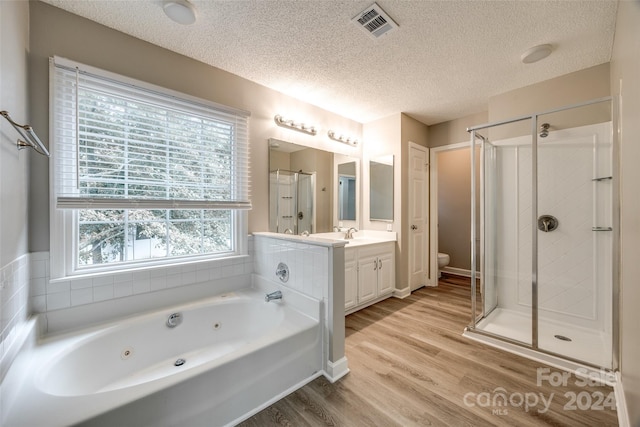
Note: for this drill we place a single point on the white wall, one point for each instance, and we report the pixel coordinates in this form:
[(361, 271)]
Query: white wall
[(574, 262), (625, 83), (14, 178)]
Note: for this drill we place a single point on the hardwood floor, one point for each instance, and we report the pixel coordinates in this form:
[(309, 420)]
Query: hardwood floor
[(410, 366)]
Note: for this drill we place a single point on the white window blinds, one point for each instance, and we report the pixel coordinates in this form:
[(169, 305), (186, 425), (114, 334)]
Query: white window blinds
[(120, 143)]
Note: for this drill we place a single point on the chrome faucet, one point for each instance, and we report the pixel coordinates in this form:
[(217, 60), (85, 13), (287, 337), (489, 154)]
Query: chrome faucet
[(273, 295), (174, 320), (349, 233)]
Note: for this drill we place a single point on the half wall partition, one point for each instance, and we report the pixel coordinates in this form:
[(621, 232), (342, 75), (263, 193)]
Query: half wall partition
[(548, 229)]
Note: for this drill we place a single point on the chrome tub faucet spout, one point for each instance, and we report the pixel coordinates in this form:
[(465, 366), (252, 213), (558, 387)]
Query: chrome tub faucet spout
[(273, 295)]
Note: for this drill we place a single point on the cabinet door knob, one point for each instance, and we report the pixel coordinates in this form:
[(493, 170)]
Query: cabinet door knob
[(414, 227), (379, 264)]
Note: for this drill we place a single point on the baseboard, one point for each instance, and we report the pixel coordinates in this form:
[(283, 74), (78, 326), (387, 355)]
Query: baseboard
[(621, 402), (402, 293), (459, 271), (336, 370)]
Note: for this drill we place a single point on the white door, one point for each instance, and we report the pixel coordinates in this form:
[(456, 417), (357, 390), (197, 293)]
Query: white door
[(418, 216)]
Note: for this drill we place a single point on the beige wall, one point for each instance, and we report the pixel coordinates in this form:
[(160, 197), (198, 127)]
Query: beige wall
[(391, 135), (455, 131), (573, 88), (56, 32), (14, 178), (381, 138), (625, 83), (279, 160)]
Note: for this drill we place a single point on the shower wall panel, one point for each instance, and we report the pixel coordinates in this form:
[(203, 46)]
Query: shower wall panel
[(574, 262)]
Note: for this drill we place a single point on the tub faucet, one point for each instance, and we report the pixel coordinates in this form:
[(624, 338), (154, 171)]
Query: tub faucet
[(273, 295), (349, 233)]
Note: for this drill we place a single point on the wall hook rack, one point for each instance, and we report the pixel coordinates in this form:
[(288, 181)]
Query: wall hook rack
[(29, 137)]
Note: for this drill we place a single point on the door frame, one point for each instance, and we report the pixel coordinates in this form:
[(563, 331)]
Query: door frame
[(433, 205)]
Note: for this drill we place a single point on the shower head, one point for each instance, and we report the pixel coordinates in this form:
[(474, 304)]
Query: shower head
[(544, 130)]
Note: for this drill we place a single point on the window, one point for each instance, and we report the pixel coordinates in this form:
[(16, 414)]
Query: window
[(142, 174)]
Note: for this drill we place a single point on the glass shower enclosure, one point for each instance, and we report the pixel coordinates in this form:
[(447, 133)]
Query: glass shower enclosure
[(546, 219), (292, 201)]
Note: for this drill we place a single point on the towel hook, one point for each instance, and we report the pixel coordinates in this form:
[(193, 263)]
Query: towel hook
[(30, 139)]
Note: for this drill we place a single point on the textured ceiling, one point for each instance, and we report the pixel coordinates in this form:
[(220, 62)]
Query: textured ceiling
[(444, 62)]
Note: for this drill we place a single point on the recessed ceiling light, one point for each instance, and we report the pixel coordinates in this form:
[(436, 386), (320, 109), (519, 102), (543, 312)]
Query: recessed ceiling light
[(536, 53), (180, 11)]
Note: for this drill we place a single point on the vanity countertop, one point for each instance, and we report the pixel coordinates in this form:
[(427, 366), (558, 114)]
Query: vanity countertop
[(360, 238), (337, 238)]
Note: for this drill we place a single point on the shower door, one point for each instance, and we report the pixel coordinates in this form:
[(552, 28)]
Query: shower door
[(547, 232), (505, 231), (292, 201)]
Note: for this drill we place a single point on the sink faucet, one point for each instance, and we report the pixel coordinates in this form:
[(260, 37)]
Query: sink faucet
[(349, 233)]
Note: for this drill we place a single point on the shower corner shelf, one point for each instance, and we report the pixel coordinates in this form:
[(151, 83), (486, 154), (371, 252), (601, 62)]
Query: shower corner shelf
[(602, 228), (603, 178)]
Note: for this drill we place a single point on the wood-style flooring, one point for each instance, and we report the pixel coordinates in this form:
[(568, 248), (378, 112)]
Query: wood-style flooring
[(410, 366)]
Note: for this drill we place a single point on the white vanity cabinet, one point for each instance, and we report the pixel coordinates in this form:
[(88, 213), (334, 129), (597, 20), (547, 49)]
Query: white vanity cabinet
[(369, 274), (350, 278)]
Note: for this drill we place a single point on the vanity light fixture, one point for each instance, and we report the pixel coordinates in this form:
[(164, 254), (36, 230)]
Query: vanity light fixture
[(343, 139), (290, 124), (180, 11)]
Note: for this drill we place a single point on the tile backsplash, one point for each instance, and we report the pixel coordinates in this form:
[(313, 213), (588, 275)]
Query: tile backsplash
[(308, 264), (46, 295), (14, 290)]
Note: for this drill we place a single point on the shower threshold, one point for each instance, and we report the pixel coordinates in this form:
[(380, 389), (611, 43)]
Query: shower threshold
[(578, 343)]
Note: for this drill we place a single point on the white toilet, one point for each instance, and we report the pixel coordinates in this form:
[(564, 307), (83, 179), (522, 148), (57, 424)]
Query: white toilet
[(443, 261)]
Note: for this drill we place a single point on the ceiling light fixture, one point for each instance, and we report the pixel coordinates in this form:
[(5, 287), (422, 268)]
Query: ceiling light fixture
[(180, 11), (344, 139), (290, 124), (536, 53)]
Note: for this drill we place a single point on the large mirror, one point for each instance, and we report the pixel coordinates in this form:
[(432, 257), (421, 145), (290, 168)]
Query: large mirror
[(347, 185), (304, 189), (381, 188)]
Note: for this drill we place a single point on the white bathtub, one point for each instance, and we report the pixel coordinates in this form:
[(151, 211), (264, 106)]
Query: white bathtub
[(240, 354)]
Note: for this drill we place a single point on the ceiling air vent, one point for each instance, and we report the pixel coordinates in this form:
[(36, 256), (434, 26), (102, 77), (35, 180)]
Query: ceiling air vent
[(374, 21)]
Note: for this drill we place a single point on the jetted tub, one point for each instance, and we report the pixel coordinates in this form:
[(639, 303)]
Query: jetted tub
[(230, 356)]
